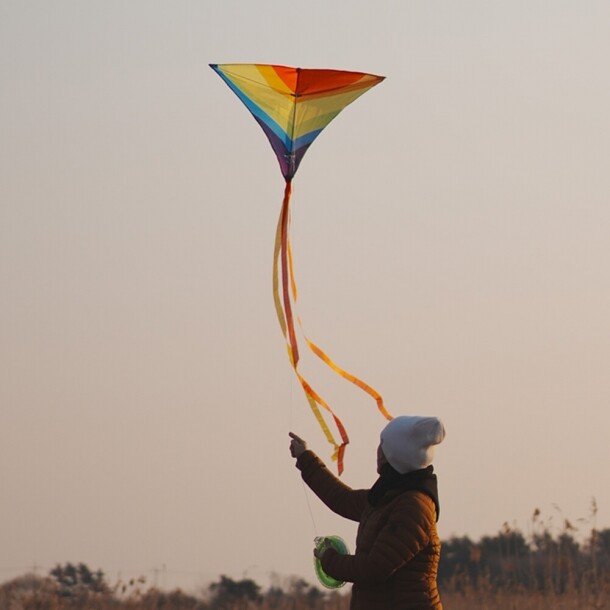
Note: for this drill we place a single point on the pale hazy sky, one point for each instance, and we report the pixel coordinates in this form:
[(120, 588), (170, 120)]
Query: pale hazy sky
[(451, 246)]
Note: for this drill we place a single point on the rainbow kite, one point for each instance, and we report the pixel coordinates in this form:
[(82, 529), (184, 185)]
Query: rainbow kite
[(293, 105)]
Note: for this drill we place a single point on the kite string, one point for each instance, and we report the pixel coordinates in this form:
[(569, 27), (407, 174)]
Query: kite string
[(313, 521), (305, 488)]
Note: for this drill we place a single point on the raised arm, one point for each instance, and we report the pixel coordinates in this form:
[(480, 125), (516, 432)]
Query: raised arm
[(340, 498)]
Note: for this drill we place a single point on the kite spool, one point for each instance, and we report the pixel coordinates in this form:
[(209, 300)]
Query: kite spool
[(339, 545)]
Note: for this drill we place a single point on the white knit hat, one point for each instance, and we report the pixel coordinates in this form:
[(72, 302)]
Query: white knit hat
[(408, 442)]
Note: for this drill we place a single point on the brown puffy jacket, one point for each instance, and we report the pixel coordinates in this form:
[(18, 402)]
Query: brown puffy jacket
[(397, 547)]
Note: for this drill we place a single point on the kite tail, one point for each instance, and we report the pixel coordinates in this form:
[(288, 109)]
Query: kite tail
[(284, 240), (349, 377), (326, 359), (285, 308), (282, 256)]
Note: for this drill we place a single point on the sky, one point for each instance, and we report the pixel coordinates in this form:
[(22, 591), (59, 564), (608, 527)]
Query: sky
[(450, 235)]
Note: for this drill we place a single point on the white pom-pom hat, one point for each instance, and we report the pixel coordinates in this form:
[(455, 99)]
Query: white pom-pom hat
[(408, 442)]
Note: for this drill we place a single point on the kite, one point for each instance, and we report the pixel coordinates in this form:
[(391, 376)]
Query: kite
[(293, 106)]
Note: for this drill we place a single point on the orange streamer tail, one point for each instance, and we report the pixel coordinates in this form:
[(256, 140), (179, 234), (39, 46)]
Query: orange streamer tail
[(285, 306)]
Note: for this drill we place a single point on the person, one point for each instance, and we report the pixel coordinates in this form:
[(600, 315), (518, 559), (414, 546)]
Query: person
[(397, 551)]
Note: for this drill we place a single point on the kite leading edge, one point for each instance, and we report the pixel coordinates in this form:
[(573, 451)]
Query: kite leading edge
[(293, 106)]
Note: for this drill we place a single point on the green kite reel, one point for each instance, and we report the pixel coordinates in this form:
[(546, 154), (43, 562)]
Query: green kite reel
[(339, 545)]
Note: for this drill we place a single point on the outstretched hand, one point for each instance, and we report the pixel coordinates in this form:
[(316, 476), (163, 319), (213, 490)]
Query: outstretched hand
[(297, 445)]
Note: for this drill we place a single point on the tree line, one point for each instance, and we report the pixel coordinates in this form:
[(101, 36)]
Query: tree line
[(538, 563)]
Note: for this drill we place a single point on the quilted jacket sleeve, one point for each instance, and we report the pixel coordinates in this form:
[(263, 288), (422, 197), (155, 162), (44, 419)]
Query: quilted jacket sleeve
[(340, 498), (404, 535)]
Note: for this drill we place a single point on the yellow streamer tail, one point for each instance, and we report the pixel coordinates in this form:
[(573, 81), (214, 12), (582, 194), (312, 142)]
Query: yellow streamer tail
[(285, 304)]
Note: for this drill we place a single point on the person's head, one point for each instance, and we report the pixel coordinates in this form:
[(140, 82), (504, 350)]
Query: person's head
[(407, 442)]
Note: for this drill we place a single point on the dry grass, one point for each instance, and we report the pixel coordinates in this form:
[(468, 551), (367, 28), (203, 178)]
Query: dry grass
[(547, 570), (486, 597), (468, 600)]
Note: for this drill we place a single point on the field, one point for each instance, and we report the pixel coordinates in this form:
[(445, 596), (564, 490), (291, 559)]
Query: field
[(548, 569), (26, 594)]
